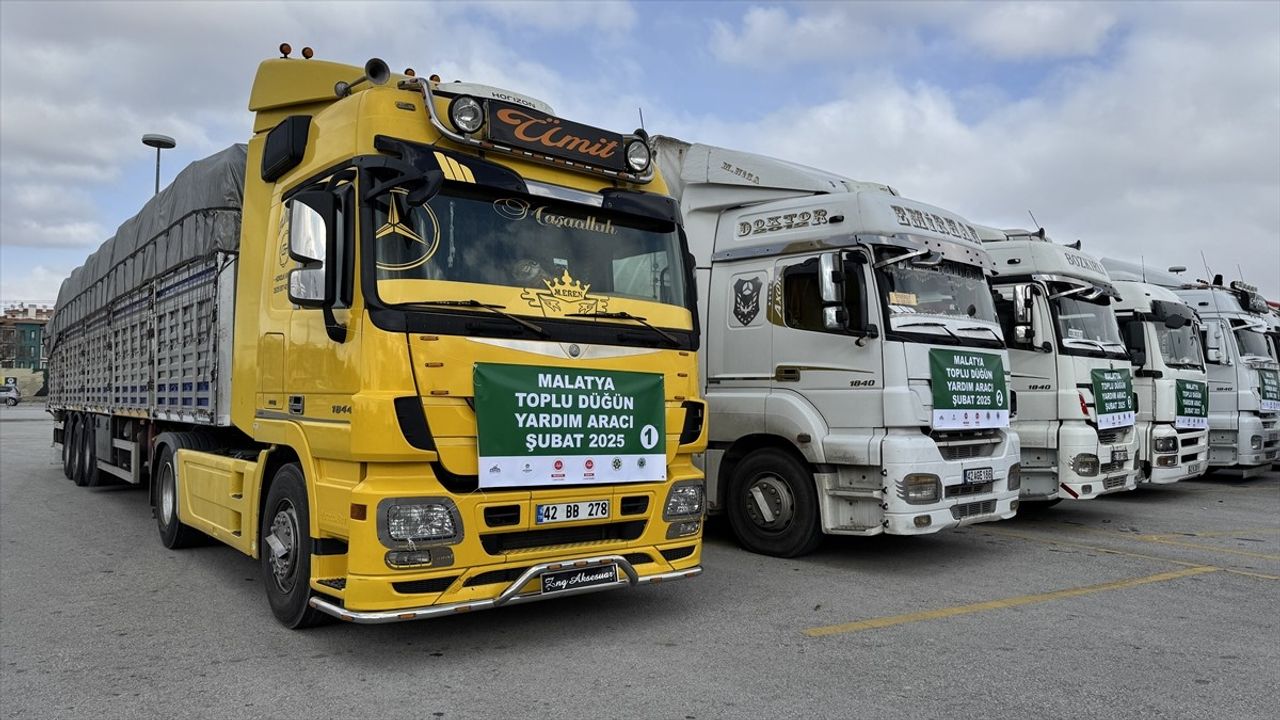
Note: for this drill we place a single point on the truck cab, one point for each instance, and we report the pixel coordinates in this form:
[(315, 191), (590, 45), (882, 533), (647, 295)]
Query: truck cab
[(854, 368), (1071, 370), (1163, 337), (1244, 384)]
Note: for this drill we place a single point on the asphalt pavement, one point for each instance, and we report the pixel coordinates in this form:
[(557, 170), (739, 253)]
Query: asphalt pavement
[(1159, 603)]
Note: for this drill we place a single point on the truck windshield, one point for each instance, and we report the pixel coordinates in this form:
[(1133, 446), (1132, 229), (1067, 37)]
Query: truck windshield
[(531, 255), (1088, 326), (948, 289), (1180, 347), (1252, 342)]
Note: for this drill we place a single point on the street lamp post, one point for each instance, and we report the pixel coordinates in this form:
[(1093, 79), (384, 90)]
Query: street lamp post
[(159, 142)]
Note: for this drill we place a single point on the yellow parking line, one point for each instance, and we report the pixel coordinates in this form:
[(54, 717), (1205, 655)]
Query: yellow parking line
[(1163, 540), (1227, 533), (1112, 551), (1006, 603)]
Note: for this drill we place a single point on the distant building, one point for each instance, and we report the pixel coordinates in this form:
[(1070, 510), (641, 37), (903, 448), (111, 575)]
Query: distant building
[(22, 336)]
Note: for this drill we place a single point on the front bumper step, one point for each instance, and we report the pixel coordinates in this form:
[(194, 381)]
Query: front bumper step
[(509, 596)]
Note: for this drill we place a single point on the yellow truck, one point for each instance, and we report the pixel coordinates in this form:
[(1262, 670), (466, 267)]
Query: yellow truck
[(419, 348)]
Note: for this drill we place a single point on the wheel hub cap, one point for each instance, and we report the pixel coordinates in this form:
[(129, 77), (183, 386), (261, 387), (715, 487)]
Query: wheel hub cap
[(282, 545), (770, 504)]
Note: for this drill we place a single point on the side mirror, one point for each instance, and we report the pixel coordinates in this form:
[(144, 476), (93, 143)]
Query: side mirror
[(1022, 304), (312, 242), (1022, 334), (830, 278), (1138, 357)]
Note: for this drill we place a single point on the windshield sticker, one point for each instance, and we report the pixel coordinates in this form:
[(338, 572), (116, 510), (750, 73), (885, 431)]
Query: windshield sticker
[(565, 426), (1270, 389), (520, 209), (903, 298), (414, 249), (564, 295), (1075, 333), (969, 390), (1113, 401), (746, 299), (1192, 402)]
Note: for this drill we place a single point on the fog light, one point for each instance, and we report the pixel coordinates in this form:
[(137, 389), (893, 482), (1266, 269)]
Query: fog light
[(1085, 464), (408, 558), (681, 529), (1013, 506), (1086, 489), (1167, 460), (411, 522), (1166, 444), (1255, 442), (1015, 476), (920, 488), (466, 114), (684, 499), (638, 155), (923, 521)]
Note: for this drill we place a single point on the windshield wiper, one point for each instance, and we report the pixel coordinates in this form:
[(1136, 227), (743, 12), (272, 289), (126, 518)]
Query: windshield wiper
[(624, 315), (1101, 348), (495, 309), (979, 327), (932, 324)]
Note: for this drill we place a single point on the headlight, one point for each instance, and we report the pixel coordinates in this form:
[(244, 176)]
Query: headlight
[(1255, 442), (1085, 464), (406, 521), (920, 488), (1015, 476), (637, 155), (466, 114), (1166, 444), (685, 499)]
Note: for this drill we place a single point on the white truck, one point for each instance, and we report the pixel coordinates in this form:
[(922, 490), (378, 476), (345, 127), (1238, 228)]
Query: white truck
[(1244, 377), (1071, 370), (854, 369), (1163, 337)]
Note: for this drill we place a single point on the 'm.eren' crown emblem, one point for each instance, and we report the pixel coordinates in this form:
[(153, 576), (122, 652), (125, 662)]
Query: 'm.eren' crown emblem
[(568, 289)]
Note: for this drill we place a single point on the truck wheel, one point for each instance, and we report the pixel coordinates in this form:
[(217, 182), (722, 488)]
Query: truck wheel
[(77, 456), (68, 435), (88, 475), (174, 534), (284, 550), (10, 401), (773, 505)]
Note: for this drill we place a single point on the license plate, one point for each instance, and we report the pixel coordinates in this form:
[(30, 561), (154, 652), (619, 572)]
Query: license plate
[(561, 580), (568, 512), (978, 475), (1121, 455), (1195, 468)]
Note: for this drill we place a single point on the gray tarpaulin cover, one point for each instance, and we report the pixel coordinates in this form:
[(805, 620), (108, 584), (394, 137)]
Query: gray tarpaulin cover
[(195, 216)]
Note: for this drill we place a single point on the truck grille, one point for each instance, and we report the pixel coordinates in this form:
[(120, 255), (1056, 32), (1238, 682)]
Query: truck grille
[(1111, 467), (499, 543), (1112, 483), (986, 507), (966, 444), (1113, 436), (968, 489)]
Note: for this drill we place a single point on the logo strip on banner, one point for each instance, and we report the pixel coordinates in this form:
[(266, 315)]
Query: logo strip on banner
[(1192, 401), (566, 426), (969, 390), (1113, 398)]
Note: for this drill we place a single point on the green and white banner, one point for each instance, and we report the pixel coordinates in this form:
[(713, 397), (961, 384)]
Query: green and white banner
[(968, 390), (1113, 398), (1270, 387), (1192, 398), (566, 426)]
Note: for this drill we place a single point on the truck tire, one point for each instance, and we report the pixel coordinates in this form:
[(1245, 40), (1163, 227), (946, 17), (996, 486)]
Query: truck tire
[(10, 401), (773, 505), (88, 476), (77, 457), (68, 430), (174, 534), (284, 550)]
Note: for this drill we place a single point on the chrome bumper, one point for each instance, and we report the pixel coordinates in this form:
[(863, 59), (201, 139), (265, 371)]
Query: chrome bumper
[(511, 595)]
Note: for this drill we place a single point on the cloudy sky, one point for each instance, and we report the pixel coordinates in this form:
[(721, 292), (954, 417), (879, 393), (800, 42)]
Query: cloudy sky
[(1149, 131)]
